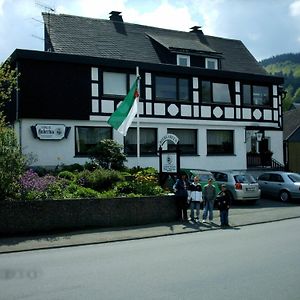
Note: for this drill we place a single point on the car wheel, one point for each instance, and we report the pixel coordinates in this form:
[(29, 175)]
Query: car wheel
[(284, 196)]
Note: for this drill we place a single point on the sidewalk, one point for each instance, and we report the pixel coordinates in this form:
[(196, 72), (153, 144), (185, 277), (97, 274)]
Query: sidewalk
[(239, 215)]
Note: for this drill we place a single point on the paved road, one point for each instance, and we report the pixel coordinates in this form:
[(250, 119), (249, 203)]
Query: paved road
[(251, 262)]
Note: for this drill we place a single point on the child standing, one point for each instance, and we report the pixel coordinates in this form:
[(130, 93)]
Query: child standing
[(223, 202)]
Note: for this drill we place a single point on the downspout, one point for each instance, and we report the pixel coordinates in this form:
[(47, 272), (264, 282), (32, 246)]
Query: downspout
[(17, 108)]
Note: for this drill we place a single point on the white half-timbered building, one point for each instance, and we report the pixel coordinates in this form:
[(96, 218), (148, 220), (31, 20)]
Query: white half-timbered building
[(208, 91)]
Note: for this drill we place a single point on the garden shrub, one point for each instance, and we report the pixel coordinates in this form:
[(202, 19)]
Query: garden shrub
[(12, 163), (100, 179), (108, 154), (81, 192), (144, 182), (33, 186), (71, 168), (67, 175)]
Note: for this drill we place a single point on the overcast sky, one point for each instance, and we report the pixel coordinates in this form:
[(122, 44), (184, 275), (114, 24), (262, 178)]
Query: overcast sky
[(266, 27)]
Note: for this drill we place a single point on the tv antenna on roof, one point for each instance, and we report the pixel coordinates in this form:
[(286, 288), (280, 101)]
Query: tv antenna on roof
[(46, 8)]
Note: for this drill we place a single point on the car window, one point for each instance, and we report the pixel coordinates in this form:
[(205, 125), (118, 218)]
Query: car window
[(276, 178), (221, 177), (204, 177), (264, 177), (294, 177), (244, 178)]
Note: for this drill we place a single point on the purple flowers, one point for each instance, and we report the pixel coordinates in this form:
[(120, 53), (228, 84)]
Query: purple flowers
[(31, 181)]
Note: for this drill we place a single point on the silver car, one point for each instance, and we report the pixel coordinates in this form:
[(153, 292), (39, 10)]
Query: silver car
[(282, 185), (242, 186)]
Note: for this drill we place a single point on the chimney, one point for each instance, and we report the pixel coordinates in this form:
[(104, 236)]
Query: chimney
[(196, 29), (115, 16)]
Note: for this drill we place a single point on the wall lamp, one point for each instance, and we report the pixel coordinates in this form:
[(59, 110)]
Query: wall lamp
[(259, 136)]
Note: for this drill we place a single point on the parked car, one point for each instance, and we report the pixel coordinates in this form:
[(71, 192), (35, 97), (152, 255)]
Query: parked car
[(282, 185), (242, 186), (203, 175)]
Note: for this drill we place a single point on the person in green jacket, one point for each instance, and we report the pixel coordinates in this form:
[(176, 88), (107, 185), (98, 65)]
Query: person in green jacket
[(209, 195)]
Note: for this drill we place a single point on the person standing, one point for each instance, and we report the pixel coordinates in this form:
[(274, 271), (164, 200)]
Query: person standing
[(209, 197), (223, 202), (181, 196), (195, 197)]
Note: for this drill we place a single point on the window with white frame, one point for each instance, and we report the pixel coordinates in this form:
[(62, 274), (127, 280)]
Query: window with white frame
[(221, 93), (220, 142), (88, 137), (117, 83), (187, 139), (183, 60), (148, 141), (211, 63)]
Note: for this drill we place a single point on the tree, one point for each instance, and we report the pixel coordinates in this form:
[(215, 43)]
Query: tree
[(12, 162), (8, 83), (108, 154)]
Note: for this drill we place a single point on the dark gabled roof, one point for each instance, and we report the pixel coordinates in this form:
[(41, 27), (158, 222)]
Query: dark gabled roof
[(126, 41), (291, 123)]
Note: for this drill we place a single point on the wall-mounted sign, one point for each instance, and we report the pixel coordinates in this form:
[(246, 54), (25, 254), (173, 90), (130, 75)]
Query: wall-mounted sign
[(169, 162), (50, 131), (169, 137)]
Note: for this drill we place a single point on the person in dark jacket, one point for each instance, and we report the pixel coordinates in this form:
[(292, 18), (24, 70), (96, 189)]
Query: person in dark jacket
[(181, 196), (223, 203)]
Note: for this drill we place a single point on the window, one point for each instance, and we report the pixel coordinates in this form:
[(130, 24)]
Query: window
[(187, 139), (117, 83), (183, 60), (215, 92), (221, 93), (183, 89), (87, 137), (148, 141), (206, 91), (260, 95), (211, 63), (171, 88), (219, 142), (247, 94), (276, 178), (255, 95)]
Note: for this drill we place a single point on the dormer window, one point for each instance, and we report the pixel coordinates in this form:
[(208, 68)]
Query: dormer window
[(211, 63), (183, 60)]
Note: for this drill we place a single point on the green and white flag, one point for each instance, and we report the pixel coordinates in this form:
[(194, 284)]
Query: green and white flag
[(122, 118)]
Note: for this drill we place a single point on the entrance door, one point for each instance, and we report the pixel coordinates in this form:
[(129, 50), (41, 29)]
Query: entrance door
[(265, 153)]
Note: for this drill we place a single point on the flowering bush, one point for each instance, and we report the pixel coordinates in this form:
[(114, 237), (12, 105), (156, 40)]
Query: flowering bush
[(31, 181), (99, 183), (144, 182)]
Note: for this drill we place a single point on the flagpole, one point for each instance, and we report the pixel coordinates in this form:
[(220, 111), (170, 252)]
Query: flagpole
[(138, 119)]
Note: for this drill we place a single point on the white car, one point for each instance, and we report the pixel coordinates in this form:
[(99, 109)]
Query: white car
[(242, 186)]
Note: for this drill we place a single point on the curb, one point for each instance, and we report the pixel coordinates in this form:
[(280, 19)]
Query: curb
[(20, 248)]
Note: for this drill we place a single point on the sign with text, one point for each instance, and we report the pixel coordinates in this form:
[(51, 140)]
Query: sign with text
[(50, 132), (169, 162), (169, 137)]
